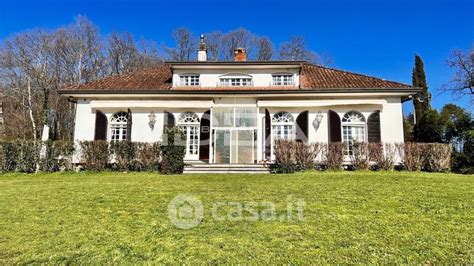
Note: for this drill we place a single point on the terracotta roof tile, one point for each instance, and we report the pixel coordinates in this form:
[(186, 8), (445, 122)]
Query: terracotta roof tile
[(312, 77), (318, 77), (158, 78)]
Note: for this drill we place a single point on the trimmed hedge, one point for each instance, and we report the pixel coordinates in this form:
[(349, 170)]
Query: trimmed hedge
[(173, 151), (24, 156), (291, 156), (168, 158), (95, 155)]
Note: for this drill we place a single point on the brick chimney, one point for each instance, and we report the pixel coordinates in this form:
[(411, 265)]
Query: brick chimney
[(240, 54)]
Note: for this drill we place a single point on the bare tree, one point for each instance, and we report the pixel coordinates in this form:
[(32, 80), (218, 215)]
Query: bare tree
[(214, 45), (265, 49), (79, 51), (462, 82), (239, 38), (27, 73), (186, 45), (295, 49), (121, 50), (34, 65)]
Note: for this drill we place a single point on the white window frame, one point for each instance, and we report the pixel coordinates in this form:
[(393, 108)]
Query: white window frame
[(189, 80), (354, 128), (118, 126), (283, 126), (189, 123), (235, 80), (283, 79)]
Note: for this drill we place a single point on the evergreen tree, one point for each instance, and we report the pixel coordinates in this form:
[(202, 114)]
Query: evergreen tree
[(408, 128), (419, 81), (429, 127), (459, 126)]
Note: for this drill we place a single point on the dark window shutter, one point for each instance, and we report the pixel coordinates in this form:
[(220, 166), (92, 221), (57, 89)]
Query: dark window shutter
[(373, 127), (302, 127), (168, 121), (268, 131), (100, 126), (129, 125), (204, 136), (334, 127)]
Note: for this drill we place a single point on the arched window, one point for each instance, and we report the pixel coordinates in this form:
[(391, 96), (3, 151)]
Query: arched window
[(118, 126), (188, 118), (235, 80), (353, 129), (189, 124), (283, 124)]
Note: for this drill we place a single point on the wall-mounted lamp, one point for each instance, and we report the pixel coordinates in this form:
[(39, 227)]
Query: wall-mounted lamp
[(317, 120), (152, 120)]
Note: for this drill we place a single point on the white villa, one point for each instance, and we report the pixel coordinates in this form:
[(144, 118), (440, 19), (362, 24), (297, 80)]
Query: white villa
[(231, 112)]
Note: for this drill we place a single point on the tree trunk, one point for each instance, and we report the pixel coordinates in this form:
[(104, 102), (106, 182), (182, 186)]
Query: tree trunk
[(30, 111)]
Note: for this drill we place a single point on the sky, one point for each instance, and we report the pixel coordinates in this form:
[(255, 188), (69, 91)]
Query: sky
[(372, 37)]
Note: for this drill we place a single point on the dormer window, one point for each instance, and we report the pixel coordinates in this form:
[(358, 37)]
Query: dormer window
[(189, 80), (235, 80), (282, 79)]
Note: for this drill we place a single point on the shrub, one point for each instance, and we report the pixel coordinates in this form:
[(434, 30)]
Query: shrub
[(8, 156), (123, 153), (95, 154), (462, 163), (412, 155), (291, 156), (360, 156), (285, 156), (173, 152), (382, 155), (334, 155), (433, 157), (306, 155), (149, 155), (57, 156), (28, 156), (436, 157)]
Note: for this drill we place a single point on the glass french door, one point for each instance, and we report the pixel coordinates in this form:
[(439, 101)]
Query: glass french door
[(234, 139), (222, 146), (191, 134), (234, 146)]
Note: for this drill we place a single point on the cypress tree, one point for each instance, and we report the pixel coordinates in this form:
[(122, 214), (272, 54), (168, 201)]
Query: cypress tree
[(419, 81)]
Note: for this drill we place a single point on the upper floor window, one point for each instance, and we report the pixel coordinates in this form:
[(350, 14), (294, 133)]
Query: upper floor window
[(189, 80), (282, 79), (235, 80)]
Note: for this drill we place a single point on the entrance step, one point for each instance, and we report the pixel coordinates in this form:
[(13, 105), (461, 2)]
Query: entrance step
[(226, 168)]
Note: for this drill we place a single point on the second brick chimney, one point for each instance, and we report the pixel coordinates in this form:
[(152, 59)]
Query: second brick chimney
[(240, 54)]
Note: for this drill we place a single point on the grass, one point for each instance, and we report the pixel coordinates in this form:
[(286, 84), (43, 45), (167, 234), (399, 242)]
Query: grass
[(349, 217)]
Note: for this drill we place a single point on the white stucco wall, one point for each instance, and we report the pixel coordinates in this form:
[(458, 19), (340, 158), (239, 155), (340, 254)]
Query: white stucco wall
[(260, 77), (390, 116), (85, 121)]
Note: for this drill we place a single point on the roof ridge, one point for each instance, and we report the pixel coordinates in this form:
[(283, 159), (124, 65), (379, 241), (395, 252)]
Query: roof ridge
[(354, 73)]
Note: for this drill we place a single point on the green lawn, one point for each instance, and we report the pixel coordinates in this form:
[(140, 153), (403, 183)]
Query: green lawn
[(349, 217)]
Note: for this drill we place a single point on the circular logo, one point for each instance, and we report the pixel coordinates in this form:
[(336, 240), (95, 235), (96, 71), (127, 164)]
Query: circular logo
[(185, 211)]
